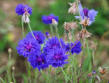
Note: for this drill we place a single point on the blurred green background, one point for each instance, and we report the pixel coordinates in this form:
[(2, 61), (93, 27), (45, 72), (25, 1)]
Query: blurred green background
[(10, 23)]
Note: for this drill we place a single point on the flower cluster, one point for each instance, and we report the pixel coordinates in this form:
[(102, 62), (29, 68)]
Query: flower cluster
[(42, 52)]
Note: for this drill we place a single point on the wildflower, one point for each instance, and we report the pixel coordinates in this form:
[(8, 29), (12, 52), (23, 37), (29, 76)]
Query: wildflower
[(57, 57), (49, 19), (38, 61), (70, 25), (39, 36), (23, 9), (67, 47), (27, 46), (86, 14), (73, 8), (76, 47), (85, 22), (83, 34), (102, 70), (93, 72), (47, 34), (52, 43)]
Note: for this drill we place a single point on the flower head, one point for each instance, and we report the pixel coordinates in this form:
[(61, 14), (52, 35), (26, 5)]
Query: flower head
[(57, 57), (73, 8), (76, 47), (49, 19), (47, 34), (26, 47), (70, 25), (86, 14), (23, 9), (40, 37), (38, 61)]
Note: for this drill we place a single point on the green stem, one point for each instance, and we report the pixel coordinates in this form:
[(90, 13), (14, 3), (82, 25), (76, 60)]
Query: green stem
[(31, 30), (57, 31), (22, 28), (2, 80), (66, 77), (51, 29), (13, 76)]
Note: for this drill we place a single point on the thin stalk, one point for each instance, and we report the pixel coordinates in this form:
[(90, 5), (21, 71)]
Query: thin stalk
[(65, 75), (22, 28), (13, 76), (57, 31), (51, 29), (31, 30), (2, 80)]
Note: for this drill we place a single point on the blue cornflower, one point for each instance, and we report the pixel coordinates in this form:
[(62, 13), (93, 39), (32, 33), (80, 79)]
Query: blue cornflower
[(26, 47), (67, 47), (40, 37), (52, 43), (86, 14), (38, 61), (49, 19), (22, 9), (57, 58), (47, 34), (76, 47)]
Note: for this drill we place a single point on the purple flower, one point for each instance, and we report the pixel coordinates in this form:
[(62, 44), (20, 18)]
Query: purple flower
[(49, 19), (67, 47), (40, 37), (21, 9), (47, 34), (57, 57), (38, 61), (26, 47), (93, 72), (85, 14), (76, 47)]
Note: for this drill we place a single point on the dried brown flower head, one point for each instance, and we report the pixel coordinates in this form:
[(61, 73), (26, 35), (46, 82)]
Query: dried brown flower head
[(85, 22), (73, 8), (102, 70), (83, 34), (70, 25)]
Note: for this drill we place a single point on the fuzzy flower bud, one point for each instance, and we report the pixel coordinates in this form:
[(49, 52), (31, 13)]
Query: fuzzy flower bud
[(25, 18), (70, 25), (73, 8)]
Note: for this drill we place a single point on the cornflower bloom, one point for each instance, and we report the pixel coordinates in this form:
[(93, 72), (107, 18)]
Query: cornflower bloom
[(27, 46), (57, 58), (86, 15), (51, 19), (25, 11), (39, 36), (38, 61)]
